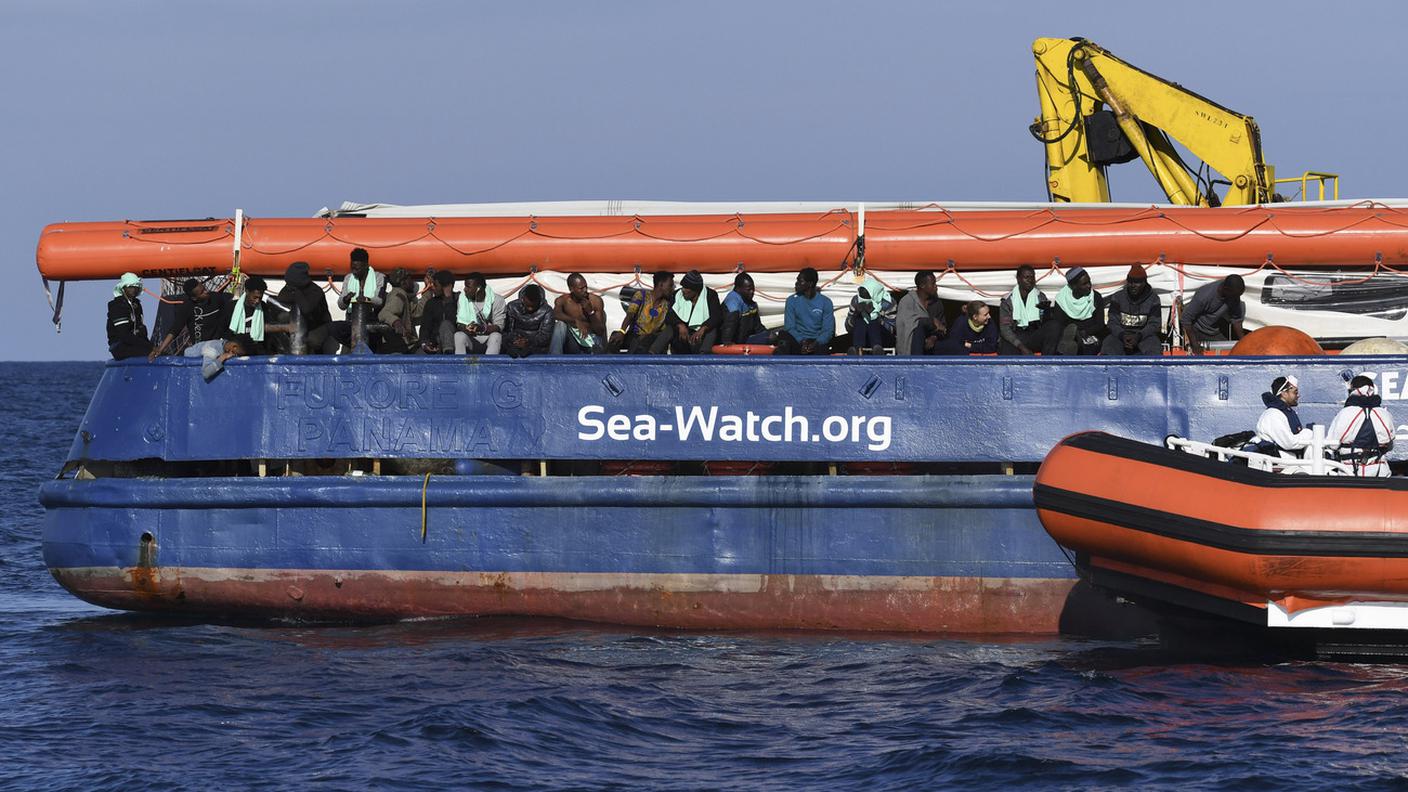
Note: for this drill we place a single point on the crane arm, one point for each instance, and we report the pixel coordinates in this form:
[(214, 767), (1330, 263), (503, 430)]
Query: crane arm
[(1077, 81)]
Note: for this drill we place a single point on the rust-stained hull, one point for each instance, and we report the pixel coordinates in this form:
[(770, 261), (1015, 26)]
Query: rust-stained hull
[(688, 601)]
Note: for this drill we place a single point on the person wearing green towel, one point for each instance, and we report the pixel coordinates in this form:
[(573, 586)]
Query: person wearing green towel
[(479, 318), (871, 319), (695, 316), (127, 330), (579, 320), (1023, 318), (247, 316), (1080, 316), (363, 292)]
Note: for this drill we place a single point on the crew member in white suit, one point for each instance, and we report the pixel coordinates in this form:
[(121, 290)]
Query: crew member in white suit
[(1279, 430), (1362, 432)]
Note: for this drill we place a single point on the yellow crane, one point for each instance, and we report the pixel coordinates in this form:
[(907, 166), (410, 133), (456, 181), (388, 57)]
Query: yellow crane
[(1097, 111)]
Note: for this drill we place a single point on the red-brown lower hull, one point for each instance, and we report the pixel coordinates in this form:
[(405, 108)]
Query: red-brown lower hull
[(811, 602)]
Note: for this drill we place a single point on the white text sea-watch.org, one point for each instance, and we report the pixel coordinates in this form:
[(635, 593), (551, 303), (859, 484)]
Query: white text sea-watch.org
[(708, 424)]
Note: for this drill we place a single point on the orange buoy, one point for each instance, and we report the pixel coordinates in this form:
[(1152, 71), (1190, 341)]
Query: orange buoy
[(1277, 340), (743, 349)]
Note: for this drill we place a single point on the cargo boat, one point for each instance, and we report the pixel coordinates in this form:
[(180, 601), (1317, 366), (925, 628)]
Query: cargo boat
[(856, 493)]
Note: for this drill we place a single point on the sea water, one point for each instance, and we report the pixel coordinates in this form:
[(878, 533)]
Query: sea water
[(91, 699)]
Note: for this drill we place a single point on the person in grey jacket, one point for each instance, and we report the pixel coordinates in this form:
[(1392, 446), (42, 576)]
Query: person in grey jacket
[(919, 323), (1134, 317)]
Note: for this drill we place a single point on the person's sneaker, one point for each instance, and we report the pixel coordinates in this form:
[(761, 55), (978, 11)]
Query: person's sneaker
[(877, 350), (853, 351)]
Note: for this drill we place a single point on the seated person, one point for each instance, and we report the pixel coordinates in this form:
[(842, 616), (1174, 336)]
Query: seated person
[(436, 308), (919, 317), (1079, 316), (695, 316), (871, 320), (363, 293), (397, 314), (581, 320), (1134, 318), (742, 324), (309, 305), (1362, 432), (1023, 317), (529, 325), (479, 318), (247, 321), (975, 335), (197, 321), (643, 330), (1215, 313), (1279, 430), (809, 319), (127, 330)]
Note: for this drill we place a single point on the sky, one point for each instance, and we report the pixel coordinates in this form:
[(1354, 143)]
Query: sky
[(138, 110)]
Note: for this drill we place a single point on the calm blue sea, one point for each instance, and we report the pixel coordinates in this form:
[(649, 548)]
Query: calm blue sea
[(96, 700)]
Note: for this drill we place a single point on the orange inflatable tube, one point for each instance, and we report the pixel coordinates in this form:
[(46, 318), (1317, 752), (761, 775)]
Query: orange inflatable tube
[(1357, 236), (1224, 530)]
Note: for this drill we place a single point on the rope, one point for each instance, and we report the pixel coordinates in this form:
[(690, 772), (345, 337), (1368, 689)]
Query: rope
[(424, 522)]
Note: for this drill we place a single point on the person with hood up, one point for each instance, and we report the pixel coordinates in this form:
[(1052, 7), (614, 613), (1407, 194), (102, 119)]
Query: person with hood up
[(1134, 317), (1279, 430), (872, 318), (127, 330), (1362, 431), (310, 306), (1080, 316)]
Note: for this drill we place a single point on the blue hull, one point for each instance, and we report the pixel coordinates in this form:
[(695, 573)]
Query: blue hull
[(948, 554), (164, 505)]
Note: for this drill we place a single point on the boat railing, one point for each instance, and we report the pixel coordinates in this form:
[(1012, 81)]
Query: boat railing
[(1315, 462)]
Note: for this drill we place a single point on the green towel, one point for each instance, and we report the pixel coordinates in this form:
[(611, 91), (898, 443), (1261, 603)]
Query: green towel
[(256, 321), (1077, 309), (467, 314)]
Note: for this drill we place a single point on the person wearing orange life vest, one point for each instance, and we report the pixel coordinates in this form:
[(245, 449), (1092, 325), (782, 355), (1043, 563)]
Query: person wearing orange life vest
[(1362, 432)]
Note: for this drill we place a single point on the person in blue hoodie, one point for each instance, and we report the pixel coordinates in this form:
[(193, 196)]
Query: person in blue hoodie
[(809, 319)]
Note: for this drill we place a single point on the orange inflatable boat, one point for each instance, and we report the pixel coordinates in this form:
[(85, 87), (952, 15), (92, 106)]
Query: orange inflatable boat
[(1171, 528), (1359, 236)]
